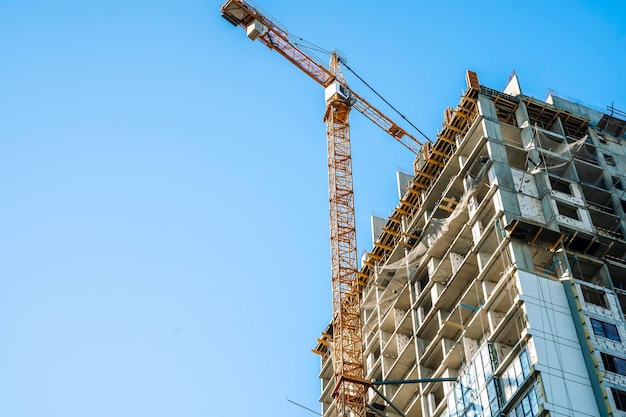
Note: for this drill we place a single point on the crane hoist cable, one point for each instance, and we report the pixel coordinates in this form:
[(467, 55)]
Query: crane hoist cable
[(350, 391), (298, 41), (345, 64), (303, 43)]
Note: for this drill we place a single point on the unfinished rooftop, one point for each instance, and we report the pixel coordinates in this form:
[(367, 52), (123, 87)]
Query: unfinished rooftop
[(515, 195)]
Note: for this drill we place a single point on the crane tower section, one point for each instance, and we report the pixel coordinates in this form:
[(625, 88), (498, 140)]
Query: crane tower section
[(350, 385)]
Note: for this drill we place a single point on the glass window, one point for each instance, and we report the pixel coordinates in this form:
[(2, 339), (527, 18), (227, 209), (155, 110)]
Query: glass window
[(495, 408), (484, 355), (480, 373), (473, 410), (620, 399), (506, 387), (620, 365), (484, 402), (493, 397), (469, 378), (534, 404), (527, 409), (458, 395), (515, 375), (607, 362), (527, 406), (613, 363), (519, 375), (604, 329), (525, 364), (465, 395)]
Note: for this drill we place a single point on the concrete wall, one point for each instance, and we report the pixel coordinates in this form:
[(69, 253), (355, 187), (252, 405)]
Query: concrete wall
[(555, 346)]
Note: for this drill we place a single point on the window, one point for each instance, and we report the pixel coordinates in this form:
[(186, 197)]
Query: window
[(613, 364), (608, 330), (513, 378), (567, 210), (593, 296), (620, 399), (528, 406), (617, 183), (560, 186), (609, 159)]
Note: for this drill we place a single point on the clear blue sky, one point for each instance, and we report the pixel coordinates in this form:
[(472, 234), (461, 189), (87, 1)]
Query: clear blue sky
[(163, 204)]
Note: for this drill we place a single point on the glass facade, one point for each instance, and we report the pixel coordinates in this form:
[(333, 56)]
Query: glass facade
[(478, 393), (528, 406)]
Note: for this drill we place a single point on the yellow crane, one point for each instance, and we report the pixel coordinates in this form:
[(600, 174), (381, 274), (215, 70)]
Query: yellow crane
[(350, 384)]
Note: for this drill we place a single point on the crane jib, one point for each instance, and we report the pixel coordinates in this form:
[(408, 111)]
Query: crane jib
[(347, 347), (275, 36)]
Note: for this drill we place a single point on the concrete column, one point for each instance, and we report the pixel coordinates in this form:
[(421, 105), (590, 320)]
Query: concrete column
[(500, 172), (521, 115), (520, 252), (522, 257)]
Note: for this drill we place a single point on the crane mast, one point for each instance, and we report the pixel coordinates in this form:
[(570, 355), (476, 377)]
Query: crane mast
[(347, 358), (347, 348)]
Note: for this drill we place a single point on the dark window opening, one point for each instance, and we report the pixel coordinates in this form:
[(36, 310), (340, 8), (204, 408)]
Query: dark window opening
[(567, 211), (593, 296), (561, 186), (620, 399), (613, 363), (609, 160)]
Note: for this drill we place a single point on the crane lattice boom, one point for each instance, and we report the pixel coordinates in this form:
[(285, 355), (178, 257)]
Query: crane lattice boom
[(350, 385), (260, 26)]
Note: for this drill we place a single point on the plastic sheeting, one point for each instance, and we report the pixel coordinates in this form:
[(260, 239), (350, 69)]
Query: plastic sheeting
[(551, 162), (399, 272)]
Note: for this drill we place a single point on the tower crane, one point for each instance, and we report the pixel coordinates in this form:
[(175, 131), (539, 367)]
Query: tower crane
[(350, 384)]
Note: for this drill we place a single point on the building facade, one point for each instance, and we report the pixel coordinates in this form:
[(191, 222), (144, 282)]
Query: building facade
[(503, 266)]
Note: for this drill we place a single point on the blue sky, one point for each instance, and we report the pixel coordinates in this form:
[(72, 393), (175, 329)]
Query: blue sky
[(163, 203)]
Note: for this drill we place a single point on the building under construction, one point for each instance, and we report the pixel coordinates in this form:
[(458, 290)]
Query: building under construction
[(498, 285), (499, 281)]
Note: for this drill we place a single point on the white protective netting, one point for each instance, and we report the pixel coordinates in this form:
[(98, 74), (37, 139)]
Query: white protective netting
[(397, 273), (558, 154)]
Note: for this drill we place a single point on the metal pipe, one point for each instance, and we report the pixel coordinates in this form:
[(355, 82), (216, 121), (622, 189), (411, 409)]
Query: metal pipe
[(414, 381)]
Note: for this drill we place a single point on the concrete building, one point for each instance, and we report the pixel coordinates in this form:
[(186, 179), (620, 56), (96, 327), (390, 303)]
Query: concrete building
[(503, 265)]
